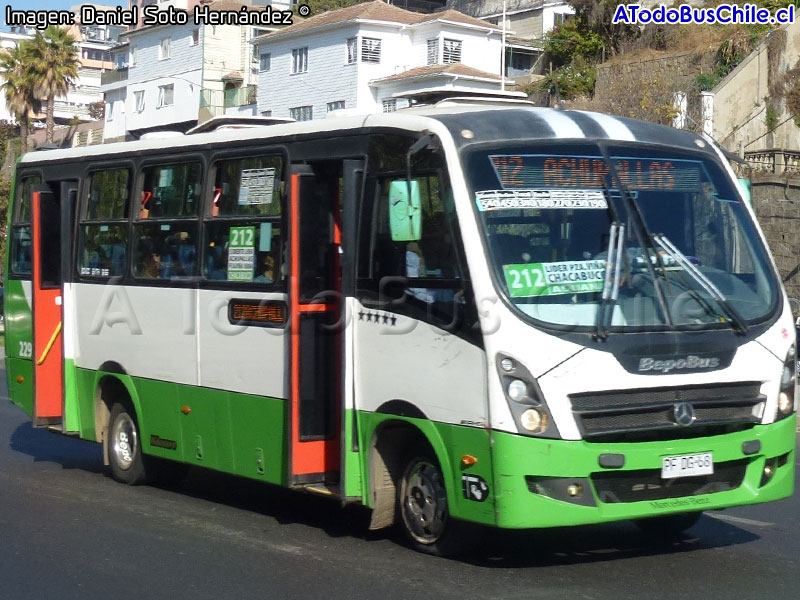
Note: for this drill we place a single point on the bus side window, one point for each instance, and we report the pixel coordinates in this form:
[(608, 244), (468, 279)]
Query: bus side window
[(104, 227), (243, 221), (21, 248), (165, 232), (430, 266)]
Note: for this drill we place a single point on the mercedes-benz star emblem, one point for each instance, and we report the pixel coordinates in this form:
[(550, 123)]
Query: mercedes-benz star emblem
[(684, 413)]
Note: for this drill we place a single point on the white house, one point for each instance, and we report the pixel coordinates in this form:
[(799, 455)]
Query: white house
[(174, 76), (188, 5), (372, 57), (526, 22)]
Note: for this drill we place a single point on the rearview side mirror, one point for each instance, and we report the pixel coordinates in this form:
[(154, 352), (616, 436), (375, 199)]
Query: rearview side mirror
[(405, 213)]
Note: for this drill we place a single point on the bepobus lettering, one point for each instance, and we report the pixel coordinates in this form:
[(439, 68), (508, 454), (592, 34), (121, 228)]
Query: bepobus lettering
[(690, 362)]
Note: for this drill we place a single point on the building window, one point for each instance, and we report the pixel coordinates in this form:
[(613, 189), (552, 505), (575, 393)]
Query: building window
[(433, 51), (300, 60), (264, 62), (337, 105), (109, 111), (266, 113), (352, 50), (166, 95), (138, 98), (164, 49), (302, 113), (452, 51), (133, 57), (370, 50), (390, 105), (195, 37)]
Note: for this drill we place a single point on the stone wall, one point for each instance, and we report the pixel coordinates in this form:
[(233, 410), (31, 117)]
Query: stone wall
[(678, 68), (776, 201)]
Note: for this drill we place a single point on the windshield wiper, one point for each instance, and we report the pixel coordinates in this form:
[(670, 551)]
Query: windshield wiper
[(642, 235), (734, 318), (605, 312)]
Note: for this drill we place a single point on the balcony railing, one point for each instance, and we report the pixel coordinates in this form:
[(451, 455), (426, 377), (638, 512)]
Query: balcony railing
[(240, 96), (774, 161), (219, 100), (113, 75)]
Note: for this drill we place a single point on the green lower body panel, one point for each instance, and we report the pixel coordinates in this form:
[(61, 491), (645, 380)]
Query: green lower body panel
[(19, 376), (450, 443), (237, 433), (533, 477)]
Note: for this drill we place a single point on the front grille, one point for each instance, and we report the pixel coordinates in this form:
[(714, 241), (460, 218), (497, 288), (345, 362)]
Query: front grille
[(636, 486), (649, 414)]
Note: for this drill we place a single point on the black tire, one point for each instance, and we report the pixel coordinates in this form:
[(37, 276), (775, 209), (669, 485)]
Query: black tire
[(423, 514), (669, 526), (124, 446)]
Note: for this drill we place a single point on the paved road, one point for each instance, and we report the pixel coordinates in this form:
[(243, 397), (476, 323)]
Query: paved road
[(68, 531)]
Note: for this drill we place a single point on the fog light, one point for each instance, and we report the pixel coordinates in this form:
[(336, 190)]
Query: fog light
[(507, 365), (785, 403), (517, 390), (533, 420), (574, 490)]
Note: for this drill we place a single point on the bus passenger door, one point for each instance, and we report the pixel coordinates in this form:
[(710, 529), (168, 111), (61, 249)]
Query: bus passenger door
[(48, 378), (315, 391)]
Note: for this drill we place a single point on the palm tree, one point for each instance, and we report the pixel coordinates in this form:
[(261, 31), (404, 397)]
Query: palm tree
[(18, 86), (55, 65)]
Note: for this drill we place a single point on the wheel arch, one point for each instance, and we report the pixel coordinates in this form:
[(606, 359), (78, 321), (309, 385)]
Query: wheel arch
[(111, 387), (392, 440)]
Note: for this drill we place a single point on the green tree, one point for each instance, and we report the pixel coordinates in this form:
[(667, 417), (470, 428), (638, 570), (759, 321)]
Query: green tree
[(597, 17), (571, 40), (55, 64), (18, 87)]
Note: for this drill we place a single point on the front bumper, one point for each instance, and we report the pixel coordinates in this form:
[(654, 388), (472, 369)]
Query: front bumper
[(520, 462)]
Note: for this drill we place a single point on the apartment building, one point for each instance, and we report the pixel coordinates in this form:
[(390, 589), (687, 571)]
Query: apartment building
[(94, 45), (170, 77)]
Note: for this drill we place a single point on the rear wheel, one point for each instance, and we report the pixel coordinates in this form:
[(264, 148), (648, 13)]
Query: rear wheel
[(124, 446), (424, 516), (669, 525)]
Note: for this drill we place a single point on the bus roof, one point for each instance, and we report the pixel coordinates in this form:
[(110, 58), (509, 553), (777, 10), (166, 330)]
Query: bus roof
[(468, 124)]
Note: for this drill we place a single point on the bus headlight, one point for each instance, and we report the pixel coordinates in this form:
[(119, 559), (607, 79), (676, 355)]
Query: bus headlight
[(788, 380), (525, 400), (517, 390), (534, 420)]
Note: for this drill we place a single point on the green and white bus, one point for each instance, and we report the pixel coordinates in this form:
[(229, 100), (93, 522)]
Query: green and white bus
[(491, 314)]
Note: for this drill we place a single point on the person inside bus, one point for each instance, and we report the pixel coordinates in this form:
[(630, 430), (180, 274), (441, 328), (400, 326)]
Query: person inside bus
[(148, 260), (265, 268), (217, 260), (183, 251)]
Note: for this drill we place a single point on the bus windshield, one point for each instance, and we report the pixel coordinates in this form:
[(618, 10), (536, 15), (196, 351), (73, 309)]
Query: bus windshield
[(553, 217)]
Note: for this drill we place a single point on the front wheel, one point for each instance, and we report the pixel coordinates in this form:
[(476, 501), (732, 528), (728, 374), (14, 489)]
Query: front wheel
[(424, 516), (124, 446)]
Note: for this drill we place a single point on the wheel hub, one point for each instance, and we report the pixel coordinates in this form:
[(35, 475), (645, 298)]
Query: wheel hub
[(124, 442), (425, 503)]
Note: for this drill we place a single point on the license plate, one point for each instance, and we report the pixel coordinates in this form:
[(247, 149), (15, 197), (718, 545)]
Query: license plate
[(687, 465)]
